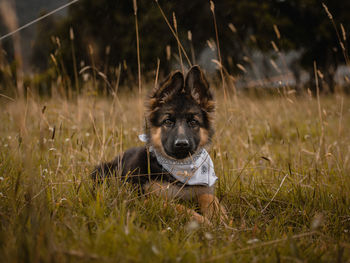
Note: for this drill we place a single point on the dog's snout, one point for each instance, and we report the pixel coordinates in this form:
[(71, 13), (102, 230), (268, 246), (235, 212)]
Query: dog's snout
[(182, 143)]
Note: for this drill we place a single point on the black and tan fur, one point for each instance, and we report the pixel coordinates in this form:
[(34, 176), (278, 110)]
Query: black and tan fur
[(179, 121)]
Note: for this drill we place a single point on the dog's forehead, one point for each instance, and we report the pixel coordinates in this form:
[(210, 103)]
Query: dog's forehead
[(181, 106)]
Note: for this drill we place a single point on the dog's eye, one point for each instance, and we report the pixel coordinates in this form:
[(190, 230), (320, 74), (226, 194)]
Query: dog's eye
[(193, 123), (168, 123)]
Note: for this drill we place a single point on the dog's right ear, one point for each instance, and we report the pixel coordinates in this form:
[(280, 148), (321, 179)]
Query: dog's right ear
[(170, 86)]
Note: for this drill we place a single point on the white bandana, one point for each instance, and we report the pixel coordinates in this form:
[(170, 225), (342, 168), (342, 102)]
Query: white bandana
[(195, 170)]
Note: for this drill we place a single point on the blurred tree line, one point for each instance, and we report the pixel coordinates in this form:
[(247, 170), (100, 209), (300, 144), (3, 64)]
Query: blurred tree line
[(101, 34)]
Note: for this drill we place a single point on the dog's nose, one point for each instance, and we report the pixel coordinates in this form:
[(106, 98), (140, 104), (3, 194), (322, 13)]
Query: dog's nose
[(182, 143)]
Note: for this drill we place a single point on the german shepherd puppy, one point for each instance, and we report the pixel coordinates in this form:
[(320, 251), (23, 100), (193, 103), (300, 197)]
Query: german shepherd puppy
[(179, 126)]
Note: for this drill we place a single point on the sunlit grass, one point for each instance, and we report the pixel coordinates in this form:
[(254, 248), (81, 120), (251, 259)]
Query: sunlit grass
[(283, 180)]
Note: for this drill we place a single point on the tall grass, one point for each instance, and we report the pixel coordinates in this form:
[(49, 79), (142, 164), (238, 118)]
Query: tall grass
[(286, 203), (283, 163)]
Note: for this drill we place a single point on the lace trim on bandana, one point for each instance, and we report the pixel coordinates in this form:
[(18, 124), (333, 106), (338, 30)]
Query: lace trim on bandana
[(189, 160)]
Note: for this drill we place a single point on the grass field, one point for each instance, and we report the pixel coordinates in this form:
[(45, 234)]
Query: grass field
[(283, 163)]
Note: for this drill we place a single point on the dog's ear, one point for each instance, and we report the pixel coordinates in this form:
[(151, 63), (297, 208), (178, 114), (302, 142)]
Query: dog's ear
[(198, 87), (171, 85)]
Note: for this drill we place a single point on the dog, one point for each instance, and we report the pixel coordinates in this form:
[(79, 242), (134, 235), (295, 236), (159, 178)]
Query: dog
[(174, 162)]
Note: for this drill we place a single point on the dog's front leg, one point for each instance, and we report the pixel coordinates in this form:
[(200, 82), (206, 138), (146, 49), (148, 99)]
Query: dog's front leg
[(181, 209), (211, 208), (170, 192)]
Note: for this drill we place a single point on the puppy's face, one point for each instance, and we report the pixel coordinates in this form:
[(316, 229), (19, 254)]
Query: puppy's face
[(179, 119)]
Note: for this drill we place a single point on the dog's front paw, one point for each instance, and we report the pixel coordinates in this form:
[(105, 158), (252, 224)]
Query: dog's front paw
[(212, 209)]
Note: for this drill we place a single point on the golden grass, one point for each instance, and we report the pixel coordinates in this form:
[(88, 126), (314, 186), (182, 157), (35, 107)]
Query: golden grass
[(286, 190)]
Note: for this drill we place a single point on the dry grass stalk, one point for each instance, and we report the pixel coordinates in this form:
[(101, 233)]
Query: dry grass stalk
[(330, 16), (282, 56), (274, 65), (277, 32), (274, 196), (231, 79), (274, 46), (91, 53), (341, 116), (8, 12), (212, 8), (319, 113), (232, 27), (241, 67), (135, 7), (211, 45), (319, 73), (106, 65), (178, 44), (327, 11), (173, 32), (7, 97), (137, 47), (263, 244), (168, 52), (118, 73), (76, 80), (189, 37), (343, 31), (138, 62), (157, 74)]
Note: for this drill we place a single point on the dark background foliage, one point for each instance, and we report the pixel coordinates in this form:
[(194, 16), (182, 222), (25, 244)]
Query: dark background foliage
[(104, 34)]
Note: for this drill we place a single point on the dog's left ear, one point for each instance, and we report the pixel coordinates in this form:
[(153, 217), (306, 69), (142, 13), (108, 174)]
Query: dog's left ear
[(197, 86)]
